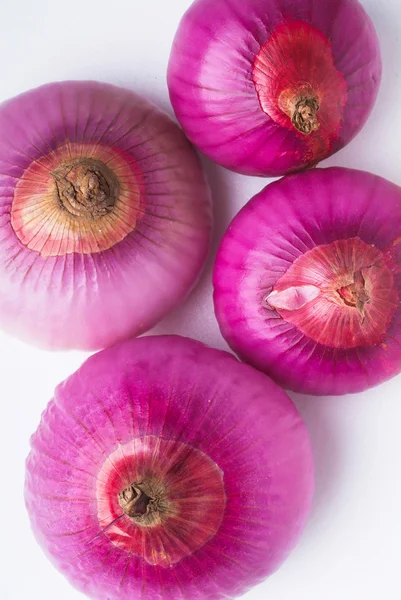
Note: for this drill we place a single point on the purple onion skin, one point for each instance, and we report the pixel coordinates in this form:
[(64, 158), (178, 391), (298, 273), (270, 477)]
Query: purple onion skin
[(275, 229), (175, 389), (211, 70), (92, 299)]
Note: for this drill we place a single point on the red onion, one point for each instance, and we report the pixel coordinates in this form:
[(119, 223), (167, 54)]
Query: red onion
[(266, 87), (308, 281), (105, 215), (164, 469)]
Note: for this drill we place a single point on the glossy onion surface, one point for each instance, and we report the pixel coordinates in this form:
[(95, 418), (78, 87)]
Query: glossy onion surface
[(105, 215), (308, 281), (267, 87), (163, 469)]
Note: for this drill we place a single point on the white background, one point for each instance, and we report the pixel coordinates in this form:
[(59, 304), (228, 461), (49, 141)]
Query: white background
[(351, 548)]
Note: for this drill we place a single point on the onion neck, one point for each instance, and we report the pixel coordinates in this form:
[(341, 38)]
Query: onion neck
[(355, 293), (304, 117), (302, 106), (144, 502), (87, 189)]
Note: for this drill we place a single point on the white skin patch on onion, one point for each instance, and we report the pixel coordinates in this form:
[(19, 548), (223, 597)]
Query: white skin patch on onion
[(353, 300)]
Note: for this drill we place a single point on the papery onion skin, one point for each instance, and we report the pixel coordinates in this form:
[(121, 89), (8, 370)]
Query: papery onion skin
[(235, 65), (169, 392), (87, 270), (307, 281)]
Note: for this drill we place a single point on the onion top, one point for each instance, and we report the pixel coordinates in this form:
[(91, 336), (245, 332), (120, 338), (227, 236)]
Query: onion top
[(105, 215), (308, 282), (163, 469), (268, 87)]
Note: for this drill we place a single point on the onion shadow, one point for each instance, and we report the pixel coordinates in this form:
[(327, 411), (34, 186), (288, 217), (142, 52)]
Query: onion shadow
[(195, 317), (373, 149), (321, 414)]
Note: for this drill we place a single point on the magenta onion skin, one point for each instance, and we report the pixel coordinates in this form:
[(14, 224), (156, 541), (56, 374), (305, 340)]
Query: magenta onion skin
[(88, 279), (215, 79), (178, 392), (271, 239)]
